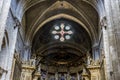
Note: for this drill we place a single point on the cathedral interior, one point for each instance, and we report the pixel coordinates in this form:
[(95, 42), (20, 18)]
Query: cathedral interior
[(59, 40)]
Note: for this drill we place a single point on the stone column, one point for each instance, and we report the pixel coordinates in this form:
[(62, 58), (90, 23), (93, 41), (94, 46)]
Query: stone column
[(96, 54), (56, 76), (68, 74), (27, 52), (4, 10), (78, 76), (108, 64), (113, 28), (10, 54)]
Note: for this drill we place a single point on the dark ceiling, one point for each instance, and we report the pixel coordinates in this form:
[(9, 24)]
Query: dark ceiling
[(40, 18), (58, 52), (37, 13)]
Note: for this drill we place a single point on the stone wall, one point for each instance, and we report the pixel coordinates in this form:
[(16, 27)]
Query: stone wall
[(1, 3), (12, 33), (8, 53), (4, 9), (11, 24), (113, 21)]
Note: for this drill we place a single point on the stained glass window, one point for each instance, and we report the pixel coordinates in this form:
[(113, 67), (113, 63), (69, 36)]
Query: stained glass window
[(62, 32)]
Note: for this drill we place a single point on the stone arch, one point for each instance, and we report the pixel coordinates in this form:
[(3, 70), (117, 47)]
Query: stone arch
[(71, 7), (62, 15)]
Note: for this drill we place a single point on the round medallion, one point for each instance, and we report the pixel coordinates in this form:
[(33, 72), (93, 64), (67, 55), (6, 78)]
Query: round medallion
[(62, 32)]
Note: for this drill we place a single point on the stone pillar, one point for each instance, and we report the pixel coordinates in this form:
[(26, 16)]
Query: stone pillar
[(108, 64), (113, 28), (4, 10), (78, 76), (68, 74), (10, 54), (56, 76), (27, 52), (96, 54)]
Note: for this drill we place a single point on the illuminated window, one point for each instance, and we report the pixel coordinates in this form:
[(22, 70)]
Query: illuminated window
[(62, 32)]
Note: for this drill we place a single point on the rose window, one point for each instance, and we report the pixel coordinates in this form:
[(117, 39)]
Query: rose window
[(62, 32)]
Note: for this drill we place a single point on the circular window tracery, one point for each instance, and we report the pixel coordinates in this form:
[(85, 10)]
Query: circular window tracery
[(62, 32)]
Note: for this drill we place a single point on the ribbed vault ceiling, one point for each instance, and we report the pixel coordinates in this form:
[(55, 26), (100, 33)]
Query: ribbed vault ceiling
[(69, 49), (38, 13), (41, 14)]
